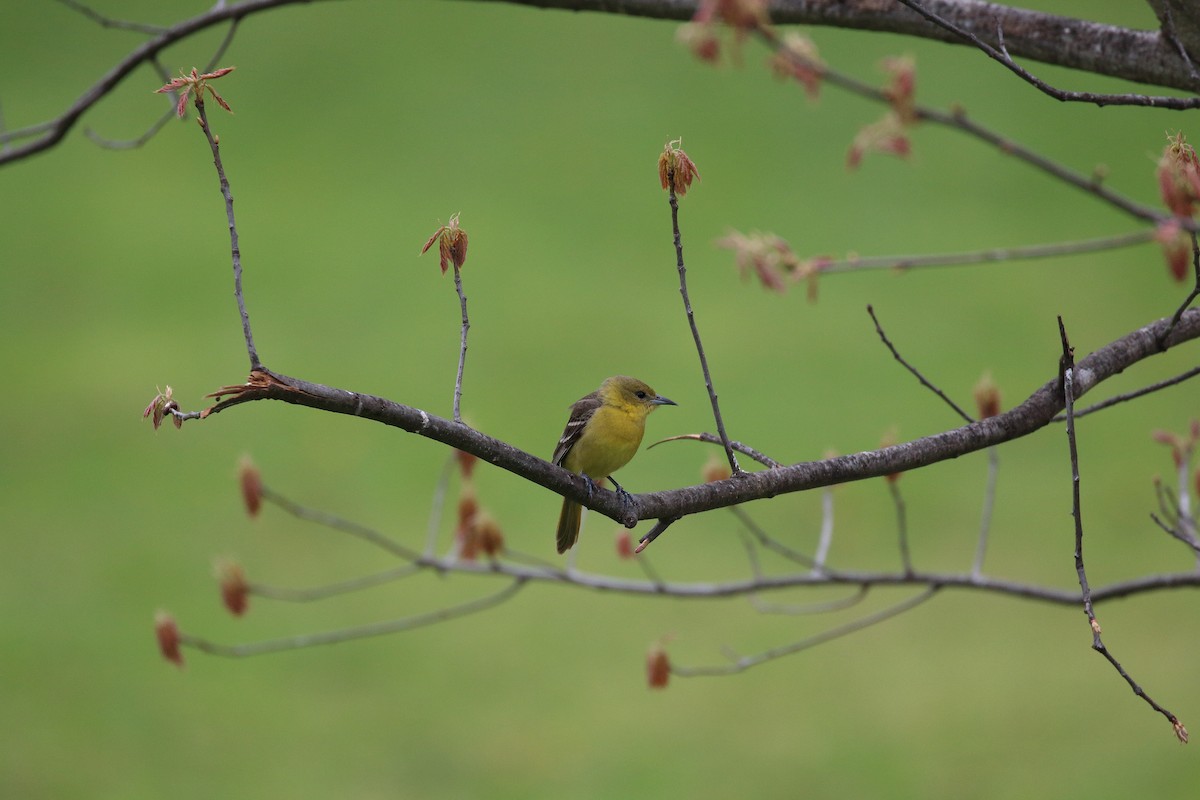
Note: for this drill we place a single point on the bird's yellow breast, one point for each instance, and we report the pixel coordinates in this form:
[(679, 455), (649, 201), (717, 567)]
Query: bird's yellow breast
[(609, 441)]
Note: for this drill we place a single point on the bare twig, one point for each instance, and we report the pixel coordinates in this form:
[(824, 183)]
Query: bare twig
[(989, 499), (691, 316), (746, 662), (1195, 287), (826, 537), (775, 546), (710, 438), (358, 632), (1175, 533), (998, 254), (901, 524), (1127, 396), (659, 528), (438, 504), (235, 250), (1067, 367), (45, 135), (462, 349), (796, 609), (334, 589), (916, 373), (109, 22), (344, 525), (958, 120)]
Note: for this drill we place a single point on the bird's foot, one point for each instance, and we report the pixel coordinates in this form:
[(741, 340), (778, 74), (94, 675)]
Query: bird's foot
[(626, 497)]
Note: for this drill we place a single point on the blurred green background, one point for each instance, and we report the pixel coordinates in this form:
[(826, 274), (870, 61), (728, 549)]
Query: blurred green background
[(358, 127)]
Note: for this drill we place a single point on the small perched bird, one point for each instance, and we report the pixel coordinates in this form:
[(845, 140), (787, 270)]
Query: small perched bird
[(603, 433)]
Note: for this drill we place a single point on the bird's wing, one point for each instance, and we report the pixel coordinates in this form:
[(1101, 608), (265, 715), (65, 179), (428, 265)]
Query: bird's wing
[(581, 412)]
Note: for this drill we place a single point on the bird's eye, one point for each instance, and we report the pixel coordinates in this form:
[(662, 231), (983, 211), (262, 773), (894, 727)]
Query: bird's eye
[(641, 395)]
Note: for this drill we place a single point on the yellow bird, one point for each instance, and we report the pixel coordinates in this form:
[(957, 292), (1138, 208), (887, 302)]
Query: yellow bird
[(602, 434)]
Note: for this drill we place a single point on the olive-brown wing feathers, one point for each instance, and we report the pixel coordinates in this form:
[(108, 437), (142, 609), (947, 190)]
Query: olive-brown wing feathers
[(581, 412)]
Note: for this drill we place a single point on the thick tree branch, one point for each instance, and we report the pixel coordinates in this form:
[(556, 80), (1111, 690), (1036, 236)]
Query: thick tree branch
[(1034, 413), (1141, 56)]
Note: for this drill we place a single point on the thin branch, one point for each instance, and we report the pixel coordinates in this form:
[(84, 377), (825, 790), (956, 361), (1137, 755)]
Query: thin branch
[(45, 135), (916, 373), (826, 537), (795, 609), (1176, 534), (989, 499), (997, 254), (334, 589), (893, 485), (358, 632), (711, 438), (109, 22), (959, 121), (1067, 369), (775, 546), (1067, 363), (1195, 286), (746, 662), (687, 307), (1127, 396), (344, 525), (235, 250), (659, 528), (462, 349), (438, 503)]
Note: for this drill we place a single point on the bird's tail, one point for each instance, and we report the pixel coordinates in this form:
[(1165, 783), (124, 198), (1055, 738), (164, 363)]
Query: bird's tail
[(568, 525)]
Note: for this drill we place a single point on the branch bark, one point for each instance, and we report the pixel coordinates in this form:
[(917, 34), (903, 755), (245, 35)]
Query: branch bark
[(1038, 410), (1142, 56)]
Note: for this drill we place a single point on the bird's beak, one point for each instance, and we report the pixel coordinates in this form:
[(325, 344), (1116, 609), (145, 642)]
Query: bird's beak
[(659, 400)]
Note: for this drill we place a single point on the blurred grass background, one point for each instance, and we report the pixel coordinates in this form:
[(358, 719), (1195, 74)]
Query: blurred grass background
[(358, 128)]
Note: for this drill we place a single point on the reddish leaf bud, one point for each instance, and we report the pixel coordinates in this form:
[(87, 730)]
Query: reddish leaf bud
[(468, 506), (160, 407), (715, 469), (658, 667), (452, 244), (1180, 731), (701, 40), (491, 538), (745, 15), (675, 170), (799, 59), (195, 85), (235, 591), (902, 87), (987, 397), (1178, 175), (466, 541), (887, 135), (1176, 245), (466, 463), (252, 488), (167, 633), (624, 544), (1173, 441)]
